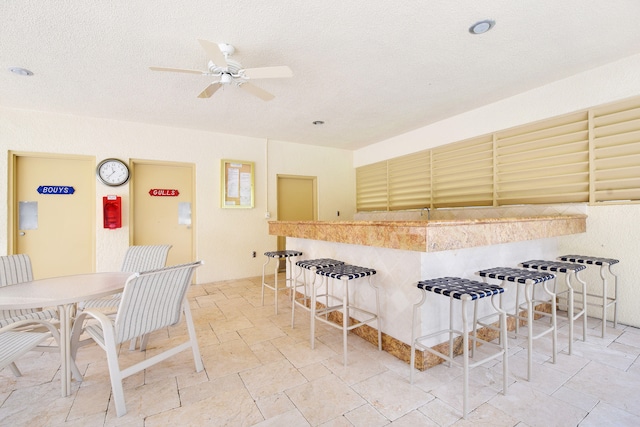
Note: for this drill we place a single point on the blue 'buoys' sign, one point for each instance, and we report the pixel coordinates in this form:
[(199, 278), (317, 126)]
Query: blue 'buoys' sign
[(56, 189)]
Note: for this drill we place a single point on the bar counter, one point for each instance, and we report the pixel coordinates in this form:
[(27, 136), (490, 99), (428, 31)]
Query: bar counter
[(432, 235), (404, 252)]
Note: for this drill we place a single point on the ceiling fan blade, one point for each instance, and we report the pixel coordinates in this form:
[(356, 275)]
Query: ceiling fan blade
[(268, 72), (214, 53), (210, 90), (177, 70), (255, 90)]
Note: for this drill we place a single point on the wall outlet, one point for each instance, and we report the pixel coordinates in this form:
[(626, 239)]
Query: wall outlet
[(253, 254), (267, 215)]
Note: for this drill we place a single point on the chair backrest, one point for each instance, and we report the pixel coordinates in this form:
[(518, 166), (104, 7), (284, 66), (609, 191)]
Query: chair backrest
[(145, 258), (15, 269), (153, 300)]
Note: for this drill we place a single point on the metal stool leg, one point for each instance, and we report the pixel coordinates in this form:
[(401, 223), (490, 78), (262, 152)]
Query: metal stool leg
[(465, 359), (416, 307), (263, 278), (345, 317)]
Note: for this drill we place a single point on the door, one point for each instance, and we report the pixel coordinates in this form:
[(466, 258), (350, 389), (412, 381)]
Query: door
[(53, 212), (162, 207), (296, 201)]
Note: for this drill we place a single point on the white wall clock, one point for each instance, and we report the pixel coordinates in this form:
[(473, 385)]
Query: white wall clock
[(113, 172)]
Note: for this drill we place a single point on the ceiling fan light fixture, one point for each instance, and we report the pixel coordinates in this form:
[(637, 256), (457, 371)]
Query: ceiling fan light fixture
[(482, 27)]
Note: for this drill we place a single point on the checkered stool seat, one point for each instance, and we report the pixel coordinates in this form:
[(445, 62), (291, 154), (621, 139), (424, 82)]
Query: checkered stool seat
[(517, 275), (605, 298), (462, 291), (345, 273), (581, 259), (310, 265), (554, 266), (277, 255), (573, 283), (318, 263), (282, 254), (527, 279), (460, 288)]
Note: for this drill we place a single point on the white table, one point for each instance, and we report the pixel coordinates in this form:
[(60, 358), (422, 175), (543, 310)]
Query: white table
[(64, 293)]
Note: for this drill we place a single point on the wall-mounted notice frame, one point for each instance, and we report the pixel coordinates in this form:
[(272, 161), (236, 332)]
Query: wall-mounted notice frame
[(237, 184)]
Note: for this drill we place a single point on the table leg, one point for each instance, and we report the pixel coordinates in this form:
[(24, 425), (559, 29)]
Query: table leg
[(64, 312)]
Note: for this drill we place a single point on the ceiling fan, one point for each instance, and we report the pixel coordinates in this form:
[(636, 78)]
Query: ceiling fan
[(230, 72)]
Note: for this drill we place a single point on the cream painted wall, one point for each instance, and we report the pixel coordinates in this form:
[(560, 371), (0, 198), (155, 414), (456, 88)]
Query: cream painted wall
[(612, 231), (225, 237)]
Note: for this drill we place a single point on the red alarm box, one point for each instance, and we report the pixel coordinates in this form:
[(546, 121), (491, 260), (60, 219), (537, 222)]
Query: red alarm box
[(112, 211)]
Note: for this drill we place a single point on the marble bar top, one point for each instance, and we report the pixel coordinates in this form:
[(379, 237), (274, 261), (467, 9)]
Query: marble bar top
[(433, 235)]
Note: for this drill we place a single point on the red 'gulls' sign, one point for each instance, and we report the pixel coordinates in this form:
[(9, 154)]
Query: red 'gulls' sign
[(163, 192)]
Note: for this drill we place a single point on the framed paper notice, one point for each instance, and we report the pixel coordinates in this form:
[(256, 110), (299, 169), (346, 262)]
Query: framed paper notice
[(237, 184)]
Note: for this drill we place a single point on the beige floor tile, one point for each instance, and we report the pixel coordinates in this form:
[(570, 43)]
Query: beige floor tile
[(270, 379), (606, 415), (488, 416), (391, 394), (196, 392), (274, 405), (366, 416), (226, 408), (610, 385), (414, 419), (260, 333), (360, 368), (290, 418), (314, 371), (228, 357), (300, 353), (324, 399), (536, 408)]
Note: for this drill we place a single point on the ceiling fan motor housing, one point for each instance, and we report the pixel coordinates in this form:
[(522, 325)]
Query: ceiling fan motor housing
[(233, 68)]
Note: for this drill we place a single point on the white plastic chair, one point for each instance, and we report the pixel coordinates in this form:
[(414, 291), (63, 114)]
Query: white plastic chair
[(150, 301), (16, 269), (15, 341), (137, 259)]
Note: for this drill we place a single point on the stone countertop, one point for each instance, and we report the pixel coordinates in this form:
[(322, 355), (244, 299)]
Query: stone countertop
[(432, 235)]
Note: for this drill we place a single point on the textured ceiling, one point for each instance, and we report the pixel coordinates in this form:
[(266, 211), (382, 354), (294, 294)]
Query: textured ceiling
[(369, 69)]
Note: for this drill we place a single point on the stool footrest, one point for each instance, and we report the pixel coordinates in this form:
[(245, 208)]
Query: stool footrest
[(326, 311), (473, 339)]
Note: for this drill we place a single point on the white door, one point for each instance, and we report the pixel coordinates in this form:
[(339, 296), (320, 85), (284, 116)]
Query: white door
[(162, 206), (52, 213)]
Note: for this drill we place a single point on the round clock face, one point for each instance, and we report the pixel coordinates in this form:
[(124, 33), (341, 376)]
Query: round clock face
[(113, 172)]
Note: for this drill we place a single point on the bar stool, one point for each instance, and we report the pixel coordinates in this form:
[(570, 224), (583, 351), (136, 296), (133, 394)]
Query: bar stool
[(345, 273), (605, 301), (463, 290), (528, 278), (288, 255), (304, 266), (570, 272)]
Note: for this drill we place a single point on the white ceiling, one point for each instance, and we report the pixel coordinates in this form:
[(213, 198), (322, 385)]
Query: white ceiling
[(370, 69)]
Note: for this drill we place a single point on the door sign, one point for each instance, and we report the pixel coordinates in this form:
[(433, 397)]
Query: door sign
[(56, 189), (163, 192)]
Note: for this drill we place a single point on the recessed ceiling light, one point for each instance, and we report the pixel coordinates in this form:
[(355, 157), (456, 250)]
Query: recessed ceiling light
[(482, 27), (318, 122), (21, 71)]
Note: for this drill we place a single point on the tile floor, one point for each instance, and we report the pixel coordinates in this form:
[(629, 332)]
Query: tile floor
[(259, 371)]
